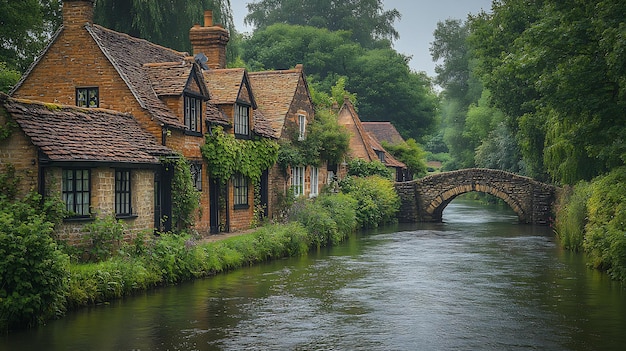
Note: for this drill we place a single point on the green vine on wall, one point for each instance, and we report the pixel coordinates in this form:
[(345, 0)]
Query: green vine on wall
[(227, 155), (7, 129), (185, 197)]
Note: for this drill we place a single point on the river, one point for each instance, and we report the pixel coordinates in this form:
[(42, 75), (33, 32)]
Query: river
[(478, 281)]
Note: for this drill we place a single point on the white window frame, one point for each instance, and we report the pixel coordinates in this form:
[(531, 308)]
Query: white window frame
[(297, 180), (301, 127), (315, 182)]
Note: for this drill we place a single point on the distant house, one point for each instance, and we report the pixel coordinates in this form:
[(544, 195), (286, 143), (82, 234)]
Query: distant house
[(365, 145), (99, 161), (164, 90), (384, 132), (285, 100)]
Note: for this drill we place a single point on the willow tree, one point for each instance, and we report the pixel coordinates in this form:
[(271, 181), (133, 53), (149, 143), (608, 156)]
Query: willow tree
[(165, 22)]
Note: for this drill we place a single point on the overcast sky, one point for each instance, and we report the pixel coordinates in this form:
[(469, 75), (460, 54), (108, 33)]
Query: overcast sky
[(419, 20)]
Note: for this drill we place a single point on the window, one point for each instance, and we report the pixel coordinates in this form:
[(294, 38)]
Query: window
[(193, 113), (242, 120), (314, 182), (381, 156), (297, 180), (76, 191), (122, 193), (196, 174), (302, 127), (87, 97), (240, 188)]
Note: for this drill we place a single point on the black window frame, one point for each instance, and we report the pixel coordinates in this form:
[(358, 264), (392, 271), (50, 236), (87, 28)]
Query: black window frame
[(240, 191), (241, 129), (193, 113), (71, 190), (88, 97), (123, 193)]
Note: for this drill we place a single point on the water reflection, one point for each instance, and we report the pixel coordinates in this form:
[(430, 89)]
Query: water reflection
[(478, 281)]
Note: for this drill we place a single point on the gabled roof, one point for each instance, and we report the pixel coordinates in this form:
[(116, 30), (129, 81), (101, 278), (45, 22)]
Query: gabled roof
[(384, 131), (390, 161), (215, 115), (360, 144), (275, 91), (171, 78), (74, 134), (129, 55), (226, 84)]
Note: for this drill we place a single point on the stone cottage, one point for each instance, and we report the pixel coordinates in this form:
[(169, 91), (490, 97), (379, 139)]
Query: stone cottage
[(165, 91), (285, 100)]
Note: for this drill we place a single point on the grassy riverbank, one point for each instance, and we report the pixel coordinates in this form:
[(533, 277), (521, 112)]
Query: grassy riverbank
[(42, 280)]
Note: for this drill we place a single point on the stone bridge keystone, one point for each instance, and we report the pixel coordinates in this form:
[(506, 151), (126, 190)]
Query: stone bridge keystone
[(423, 200)]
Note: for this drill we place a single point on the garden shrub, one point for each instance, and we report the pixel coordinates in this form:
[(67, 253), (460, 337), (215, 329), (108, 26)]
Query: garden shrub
[(342, 209), (605, 241), (377, 200), (316, 219), (33, 271), (360, 168), (103, 237), (571, 216)]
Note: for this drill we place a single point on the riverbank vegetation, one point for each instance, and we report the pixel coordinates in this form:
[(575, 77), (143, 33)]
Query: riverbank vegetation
[(42, 278)]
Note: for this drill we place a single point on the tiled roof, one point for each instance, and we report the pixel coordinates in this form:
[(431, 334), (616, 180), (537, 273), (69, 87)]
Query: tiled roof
[(224, 84), (384, 131), (262, 126), (215, 115), (69, 133), (274, 92), (168, 78), (128, 55), (390, 161)]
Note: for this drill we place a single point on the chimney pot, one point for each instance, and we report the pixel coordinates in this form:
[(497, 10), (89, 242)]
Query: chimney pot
[(208, 18)]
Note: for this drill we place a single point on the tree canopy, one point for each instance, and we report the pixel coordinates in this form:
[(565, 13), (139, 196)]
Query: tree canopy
[(385, 86), (165, 22), (25, 26), (366, 20), (556, 68)]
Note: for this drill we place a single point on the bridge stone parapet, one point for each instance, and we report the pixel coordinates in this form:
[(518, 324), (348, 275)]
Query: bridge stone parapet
[(423, 200)]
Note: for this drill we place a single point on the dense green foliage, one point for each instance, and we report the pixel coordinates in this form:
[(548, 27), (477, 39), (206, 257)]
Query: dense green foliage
[(227, 155), (561, 82), (360, 168), (325, 140), (377, 200), (25, 27), (380, 77), (33, 271), (605, 241), (165, 22), (411, 154), (366, 20), (8, 77), (185, 197), (571, 216)]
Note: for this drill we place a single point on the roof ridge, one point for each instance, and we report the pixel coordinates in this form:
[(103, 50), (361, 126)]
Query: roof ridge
[(184, 53)]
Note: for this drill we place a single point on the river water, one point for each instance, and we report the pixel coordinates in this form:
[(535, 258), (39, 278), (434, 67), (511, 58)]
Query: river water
[(478, 281)]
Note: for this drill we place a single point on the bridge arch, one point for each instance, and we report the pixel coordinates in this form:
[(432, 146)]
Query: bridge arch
[(425, 199)]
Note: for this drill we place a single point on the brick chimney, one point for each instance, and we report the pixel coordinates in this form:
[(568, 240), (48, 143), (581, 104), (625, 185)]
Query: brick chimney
[(77, 12), (210, 40)]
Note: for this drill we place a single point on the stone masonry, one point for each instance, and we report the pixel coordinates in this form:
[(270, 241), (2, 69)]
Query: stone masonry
[(423, 200)]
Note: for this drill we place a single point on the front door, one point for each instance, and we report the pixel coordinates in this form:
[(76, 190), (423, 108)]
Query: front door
[(214, 205), (163, 199)]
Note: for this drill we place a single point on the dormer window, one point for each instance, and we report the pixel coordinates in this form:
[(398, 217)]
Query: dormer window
[(193, 113), (381, 155), (301, 127), (242, 120), (87, 97)]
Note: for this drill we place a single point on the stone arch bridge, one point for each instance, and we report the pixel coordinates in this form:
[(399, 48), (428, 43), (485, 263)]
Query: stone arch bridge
[(423, 200)]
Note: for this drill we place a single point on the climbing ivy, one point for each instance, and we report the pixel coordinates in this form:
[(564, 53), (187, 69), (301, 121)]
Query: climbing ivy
[(185, 197), (7, 129), (227, 155)]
